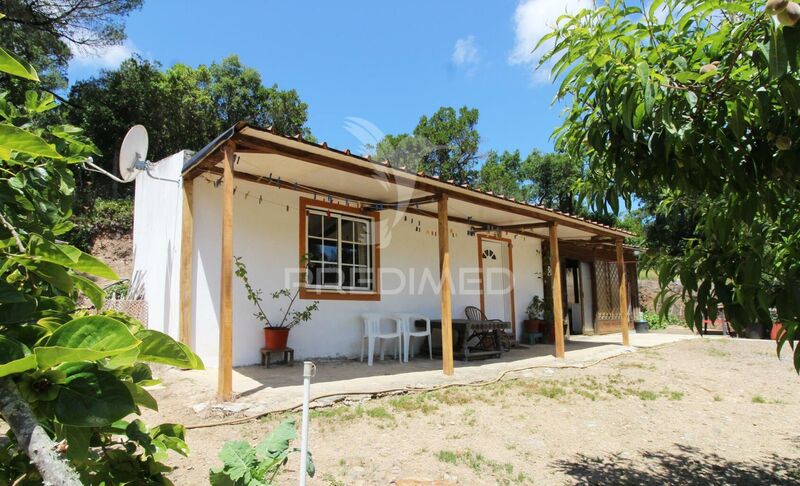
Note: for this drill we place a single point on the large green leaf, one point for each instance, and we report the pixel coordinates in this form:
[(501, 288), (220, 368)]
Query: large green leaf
[(69, 256), (90, 289), (141, 396), (15, 357), (16, 67), (239, 457), (19, 140), (93, 398), (88, 264), (158, 347), (86, 338), (277, 442)]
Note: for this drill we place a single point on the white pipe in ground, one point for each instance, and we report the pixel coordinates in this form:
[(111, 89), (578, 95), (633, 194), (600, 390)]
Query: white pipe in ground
[(309, 370)]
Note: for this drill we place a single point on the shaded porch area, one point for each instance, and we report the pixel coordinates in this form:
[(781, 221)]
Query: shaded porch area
[(260, 390)]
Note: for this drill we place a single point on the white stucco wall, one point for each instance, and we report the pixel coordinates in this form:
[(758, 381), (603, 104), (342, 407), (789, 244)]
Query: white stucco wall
[(266, 237), (157, 241)]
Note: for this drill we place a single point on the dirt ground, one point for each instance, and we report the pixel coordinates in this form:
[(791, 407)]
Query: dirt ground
[(697, 412)]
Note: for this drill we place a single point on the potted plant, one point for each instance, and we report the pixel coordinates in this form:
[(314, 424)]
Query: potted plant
[(535, 321), (276, 335)]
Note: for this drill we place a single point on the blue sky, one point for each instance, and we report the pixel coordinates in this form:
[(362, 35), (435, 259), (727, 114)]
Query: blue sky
[(383, 62)]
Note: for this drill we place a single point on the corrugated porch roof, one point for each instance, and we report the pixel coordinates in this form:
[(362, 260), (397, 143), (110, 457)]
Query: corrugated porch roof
[(266, 157)]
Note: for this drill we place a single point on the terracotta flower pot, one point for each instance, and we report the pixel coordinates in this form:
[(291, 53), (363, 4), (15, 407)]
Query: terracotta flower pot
[(777, 331), (534, 325), (276, 337)]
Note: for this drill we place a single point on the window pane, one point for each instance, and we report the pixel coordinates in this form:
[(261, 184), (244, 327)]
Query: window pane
[(363, 278), (314, 224), (347, 230), (331, 227), (348, 275), (330, 251), (314, 274), (315, 249), (361, 232), (330, 275), (361, 254), (348, 252)]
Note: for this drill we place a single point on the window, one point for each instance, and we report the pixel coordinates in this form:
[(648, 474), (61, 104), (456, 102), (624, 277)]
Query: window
[(489, 254), (341, 250)]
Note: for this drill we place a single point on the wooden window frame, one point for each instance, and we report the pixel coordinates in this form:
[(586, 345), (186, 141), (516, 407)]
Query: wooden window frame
[(327, 294)]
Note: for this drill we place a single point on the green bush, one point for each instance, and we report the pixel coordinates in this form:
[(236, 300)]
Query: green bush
[(655, 321), (107, 216)]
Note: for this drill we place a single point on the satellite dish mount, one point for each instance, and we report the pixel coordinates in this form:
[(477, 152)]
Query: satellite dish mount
[(132, 158)]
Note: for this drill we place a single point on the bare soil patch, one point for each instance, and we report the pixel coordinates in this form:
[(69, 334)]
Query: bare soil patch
[(707, 411)]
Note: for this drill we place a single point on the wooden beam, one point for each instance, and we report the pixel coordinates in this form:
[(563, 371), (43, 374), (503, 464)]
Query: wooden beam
[(445, 289), (225, 379), (187, 248), (404, 205), (555, 284), (523, 226), (402, 178), (340, 195), (623, 294)]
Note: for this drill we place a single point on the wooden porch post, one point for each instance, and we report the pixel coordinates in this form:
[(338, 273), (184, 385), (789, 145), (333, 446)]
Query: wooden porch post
[(623, 294), (187, 235), (225, 380), (445, 289), (555, 285)]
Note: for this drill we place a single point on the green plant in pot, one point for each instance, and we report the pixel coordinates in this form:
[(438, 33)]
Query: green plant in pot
[(276, 334), (536, 310)]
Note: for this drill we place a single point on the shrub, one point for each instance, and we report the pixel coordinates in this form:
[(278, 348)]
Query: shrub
[(106, 216), (655, 321)]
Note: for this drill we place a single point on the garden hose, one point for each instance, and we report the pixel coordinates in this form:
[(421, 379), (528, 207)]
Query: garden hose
[(398, 391)]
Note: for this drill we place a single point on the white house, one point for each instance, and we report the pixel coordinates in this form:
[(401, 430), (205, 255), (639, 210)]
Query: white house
[(376, 237)]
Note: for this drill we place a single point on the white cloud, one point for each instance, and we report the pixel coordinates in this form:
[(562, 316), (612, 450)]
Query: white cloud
[(533, 19), (103, 58), (465, 52)]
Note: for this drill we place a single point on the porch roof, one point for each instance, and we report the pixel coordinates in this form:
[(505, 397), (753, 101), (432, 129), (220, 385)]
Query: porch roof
[(265, 157)]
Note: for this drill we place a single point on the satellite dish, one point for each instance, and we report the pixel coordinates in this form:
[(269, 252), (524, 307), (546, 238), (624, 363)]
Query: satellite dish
[(132, 158), (133, 153)]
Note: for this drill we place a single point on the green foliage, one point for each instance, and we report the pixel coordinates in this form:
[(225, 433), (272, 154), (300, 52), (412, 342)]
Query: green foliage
[(245, 465), (503, 174), (657, 321), (45, 32), (104, 217), (290, 318), (186, 107), (714, 150), (81, 375), (444, 144), (536, 308)]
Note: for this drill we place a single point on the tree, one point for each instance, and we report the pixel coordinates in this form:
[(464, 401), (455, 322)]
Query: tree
[(182, 107), (68, 378), (695, 105), (554, 178), (237, 94), (502, 174), (444, 145), (45, 32)]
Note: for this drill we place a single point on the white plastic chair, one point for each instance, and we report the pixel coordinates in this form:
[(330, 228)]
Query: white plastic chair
[(408, 329), (372, 331)]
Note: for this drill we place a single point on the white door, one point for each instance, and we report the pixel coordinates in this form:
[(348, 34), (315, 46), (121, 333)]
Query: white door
[(496, 280), (587, 298)]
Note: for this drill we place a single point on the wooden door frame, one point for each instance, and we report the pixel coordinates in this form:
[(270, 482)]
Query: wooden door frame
[(507, 241)]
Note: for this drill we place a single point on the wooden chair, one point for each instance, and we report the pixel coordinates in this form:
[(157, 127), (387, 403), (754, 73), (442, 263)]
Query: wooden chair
[(485, 341)]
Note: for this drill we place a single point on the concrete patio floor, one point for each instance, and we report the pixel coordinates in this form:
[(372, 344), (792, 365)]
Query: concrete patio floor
[(260, 390)]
